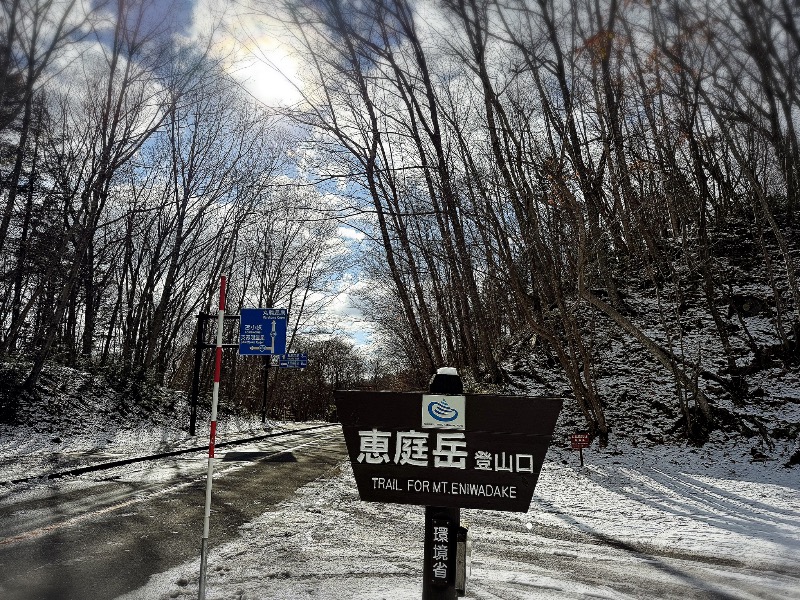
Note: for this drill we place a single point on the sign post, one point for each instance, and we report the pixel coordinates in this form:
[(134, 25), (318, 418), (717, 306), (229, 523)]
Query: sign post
[(442, 523), (198, 360), (262, 332), (200, 345), (579, 441), (266, 363), (446, 451)]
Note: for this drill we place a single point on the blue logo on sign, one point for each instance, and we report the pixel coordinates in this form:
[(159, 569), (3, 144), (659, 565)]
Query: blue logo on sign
[(441, 411)]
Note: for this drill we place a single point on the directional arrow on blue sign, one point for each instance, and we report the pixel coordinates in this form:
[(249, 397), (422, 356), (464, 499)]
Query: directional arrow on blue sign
[(294, 361), (262, 331)]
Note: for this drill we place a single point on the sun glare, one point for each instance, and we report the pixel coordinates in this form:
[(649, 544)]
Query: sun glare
[(259, 60)]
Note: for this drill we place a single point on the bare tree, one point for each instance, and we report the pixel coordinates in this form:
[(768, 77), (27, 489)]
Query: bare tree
[(34, 32), (104, 132)]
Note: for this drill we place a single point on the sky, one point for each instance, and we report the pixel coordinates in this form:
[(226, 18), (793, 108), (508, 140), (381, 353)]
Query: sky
[(251, 42)]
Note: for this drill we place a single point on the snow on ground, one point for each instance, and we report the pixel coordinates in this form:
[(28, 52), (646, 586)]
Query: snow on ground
[(26, 452), (691, 522), (720, 521)]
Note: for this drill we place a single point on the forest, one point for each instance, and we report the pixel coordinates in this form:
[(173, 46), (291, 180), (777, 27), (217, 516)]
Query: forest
[(532, 178)]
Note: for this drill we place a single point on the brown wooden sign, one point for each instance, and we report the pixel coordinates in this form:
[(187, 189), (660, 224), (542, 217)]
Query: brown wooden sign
[(470, 451), (579, 441)]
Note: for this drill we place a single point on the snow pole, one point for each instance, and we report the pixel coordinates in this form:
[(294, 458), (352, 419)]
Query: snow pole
[(212, 436)]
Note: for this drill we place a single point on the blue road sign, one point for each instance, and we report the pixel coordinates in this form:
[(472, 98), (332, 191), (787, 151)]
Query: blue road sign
[(293, 361), (262, 331)]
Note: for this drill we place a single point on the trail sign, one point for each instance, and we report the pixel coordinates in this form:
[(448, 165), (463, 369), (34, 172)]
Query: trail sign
[(262, 331), (293, 361), (578, 441), (491, 459)]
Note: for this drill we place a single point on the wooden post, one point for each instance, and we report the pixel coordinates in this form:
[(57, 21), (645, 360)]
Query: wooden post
[(439, 571), (462, 561), (441, 524)]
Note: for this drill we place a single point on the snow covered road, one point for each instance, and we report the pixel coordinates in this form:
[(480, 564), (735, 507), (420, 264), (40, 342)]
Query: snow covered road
[(99, 535), (635, 522), (677, 523)]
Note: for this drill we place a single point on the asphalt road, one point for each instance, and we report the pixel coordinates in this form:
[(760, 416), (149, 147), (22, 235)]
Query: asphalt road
[(97, 537)]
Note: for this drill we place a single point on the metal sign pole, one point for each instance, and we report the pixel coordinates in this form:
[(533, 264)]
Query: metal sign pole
[(198, 361), (267, 360), (212, 436)]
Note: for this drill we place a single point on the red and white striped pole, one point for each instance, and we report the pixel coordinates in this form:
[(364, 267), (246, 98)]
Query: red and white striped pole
[(214, 401)]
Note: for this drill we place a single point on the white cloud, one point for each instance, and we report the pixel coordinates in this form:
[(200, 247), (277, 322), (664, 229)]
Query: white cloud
[(350, 233), (253, 49)]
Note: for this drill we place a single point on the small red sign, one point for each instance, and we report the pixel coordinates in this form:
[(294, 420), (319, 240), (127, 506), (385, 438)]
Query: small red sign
[(579, 440)]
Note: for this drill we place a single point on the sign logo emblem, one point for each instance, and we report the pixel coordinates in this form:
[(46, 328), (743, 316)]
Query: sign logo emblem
[(443, 412)]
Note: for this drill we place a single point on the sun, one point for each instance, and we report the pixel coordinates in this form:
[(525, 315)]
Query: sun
[(263, 64), (254, 49)]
